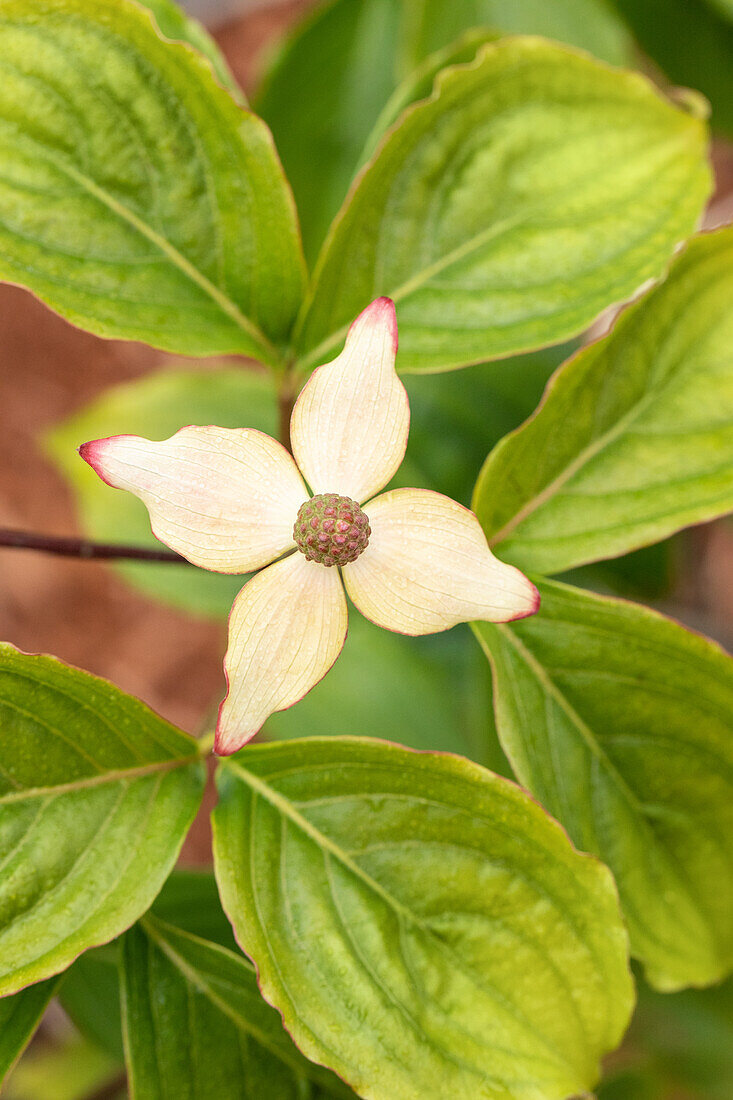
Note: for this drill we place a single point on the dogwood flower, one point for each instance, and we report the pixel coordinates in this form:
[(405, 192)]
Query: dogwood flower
[(235, 500)]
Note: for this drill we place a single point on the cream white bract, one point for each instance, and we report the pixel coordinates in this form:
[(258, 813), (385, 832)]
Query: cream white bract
[(227, 500)]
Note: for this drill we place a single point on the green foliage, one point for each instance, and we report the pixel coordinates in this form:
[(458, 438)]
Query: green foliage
[(678, 1045), (424, 927), (589, 24), (530, 172), (725, 7), (91, 989), (415, 919), (634, 439), (90, 994), (339, 67), (156, 407), (692, 41), (175, 24), (455, 416), (19, 1018), (96, 796), (137, 199), (419, 85), (190, 901), (427, 693), (323, 97), (619, 722), (196, 1026)]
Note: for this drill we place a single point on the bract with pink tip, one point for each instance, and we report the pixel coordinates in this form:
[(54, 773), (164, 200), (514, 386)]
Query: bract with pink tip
[(234, 500)]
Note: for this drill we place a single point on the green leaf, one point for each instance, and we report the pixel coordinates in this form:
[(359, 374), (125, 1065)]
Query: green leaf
[(176, 986), (725, 7), (592, 25), (535, 188), (693, 43), (96, 796), (176, 25), (339, 67), (137, 199), (19, 1017), (431, 692), (455, 416), (423, 927), (419, 85), (190, 901), (156, 407), (618, 720), (90, 993), (648, 574), (322, 98), (634, 438), (678, 1045)]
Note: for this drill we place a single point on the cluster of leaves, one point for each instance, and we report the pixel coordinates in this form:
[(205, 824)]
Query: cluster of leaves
[(421, 925)]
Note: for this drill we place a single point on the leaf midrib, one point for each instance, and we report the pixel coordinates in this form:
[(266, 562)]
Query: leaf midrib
[(593, 745), (288, 810), (91, 781), (415, 282), (171, 253), (419, 278), (582, 458), (195, 978), (323, 842), (587, 734)]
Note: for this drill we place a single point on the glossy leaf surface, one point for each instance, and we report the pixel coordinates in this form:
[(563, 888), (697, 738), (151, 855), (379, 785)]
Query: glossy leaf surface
[(175, 985), (96, 796), (634, 438), (137, 199), (535, 188), (416, 920), (618, 720)]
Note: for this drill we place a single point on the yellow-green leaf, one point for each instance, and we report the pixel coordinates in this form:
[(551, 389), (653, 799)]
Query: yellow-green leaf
[(96, 796), (619, 721), (634, 438), (536, 187), (424, 928), (136, 198)]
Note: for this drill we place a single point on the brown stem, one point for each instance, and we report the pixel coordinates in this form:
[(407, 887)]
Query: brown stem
[(82, 548)]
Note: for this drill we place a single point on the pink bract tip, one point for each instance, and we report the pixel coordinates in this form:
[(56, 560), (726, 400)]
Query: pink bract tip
[(536, 600), (381, 312), (90, 453), (93, 454)]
